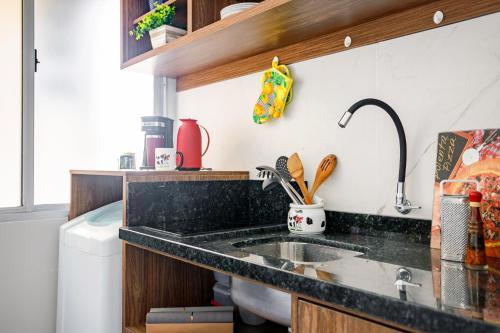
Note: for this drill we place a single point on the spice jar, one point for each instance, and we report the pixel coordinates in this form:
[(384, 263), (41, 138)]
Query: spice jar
[(476, 255)]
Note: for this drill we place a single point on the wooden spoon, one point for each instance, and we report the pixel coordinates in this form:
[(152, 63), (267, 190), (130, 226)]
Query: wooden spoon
[(325, 276), (325, 169), (297, 172), (299, 269)]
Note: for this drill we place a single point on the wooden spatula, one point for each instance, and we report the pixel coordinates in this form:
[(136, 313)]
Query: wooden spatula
[(325, 169), (325, 276), (297, 172)]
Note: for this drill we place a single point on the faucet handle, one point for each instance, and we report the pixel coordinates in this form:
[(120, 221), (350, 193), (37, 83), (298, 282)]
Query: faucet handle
[(405, 207), (403, 279), (401, 284)]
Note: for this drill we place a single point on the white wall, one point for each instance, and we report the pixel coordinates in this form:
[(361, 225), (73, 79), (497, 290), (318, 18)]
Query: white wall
[(440, 80), (28, 282)]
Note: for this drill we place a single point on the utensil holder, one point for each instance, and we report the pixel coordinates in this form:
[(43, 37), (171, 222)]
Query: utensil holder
[(307, 219)]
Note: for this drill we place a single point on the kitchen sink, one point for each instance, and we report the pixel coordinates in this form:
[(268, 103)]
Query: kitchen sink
[(298, 251), (301, 254)]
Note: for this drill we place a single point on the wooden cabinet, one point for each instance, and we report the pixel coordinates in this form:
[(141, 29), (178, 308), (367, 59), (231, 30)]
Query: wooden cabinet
[(150, 279), (155, 279), (294, 30), (91, 189), (312, 318)]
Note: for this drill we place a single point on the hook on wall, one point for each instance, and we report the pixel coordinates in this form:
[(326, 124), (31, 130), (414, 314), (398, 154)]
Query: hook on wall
[(438, 17), (347, 41)]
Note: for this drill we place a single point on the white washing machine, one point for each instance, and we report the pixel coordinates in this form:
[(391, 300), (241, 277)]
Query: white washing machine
[(89, 286)]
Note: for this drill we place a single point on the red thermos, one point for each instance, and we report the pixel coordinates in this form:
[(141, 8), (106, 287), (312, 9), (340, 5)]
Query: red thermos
[(189, 145)]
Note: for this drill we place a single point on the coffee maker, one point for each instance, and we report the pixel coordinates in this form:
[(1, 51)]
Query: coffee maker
[(158, 133)]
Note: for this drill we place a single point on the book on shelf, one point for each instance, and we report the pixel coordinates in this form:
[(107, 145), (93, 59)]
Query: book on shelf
[(190, 319)]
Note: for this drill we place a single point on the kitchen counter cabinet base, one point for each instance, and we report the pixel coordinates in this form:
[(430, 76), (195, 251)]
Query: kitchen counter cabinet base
[(89, 192), (371, 302), (150, 276), (151, 280), (155, 280), (313, 318)]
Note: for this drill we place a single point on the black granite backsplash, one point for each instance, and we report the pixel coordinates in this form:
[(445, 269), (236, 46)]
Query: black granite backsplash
[(189, 208), (388, 227), (267, 207)]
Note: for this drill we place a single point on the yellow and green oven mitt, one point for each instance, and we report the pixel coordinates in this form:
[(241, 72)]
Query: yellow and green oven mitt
[(276, 93)]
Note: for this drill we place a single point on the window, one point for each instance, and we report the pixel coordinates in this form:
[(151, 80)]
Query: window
[(11, 103), (78, 111), (87, 110)]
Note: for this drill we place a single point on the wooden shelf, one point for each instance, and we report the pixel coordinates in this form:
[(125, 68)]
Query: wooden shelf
[(135, 329), (157, 174), (239, 327), (292, 29), (269, 25)]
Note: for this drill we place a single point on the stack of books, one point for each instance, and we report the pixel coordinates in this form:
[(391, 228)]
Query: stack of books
[(206, 319)]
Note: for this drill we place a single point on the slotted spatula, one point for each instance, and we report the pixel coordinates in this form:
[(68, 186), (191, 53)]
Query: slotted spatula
[(282, 168), (297, 172), (325, 169)]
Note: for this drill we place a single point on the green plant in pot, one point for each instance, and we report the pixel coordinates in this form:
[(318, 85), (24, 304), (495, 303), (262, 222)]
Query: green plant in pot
[(158, 24)]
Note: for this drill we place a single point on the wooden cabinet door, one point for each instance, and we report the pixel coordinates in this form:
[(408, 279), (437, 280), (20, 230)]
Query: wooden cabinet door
[(314, 318)]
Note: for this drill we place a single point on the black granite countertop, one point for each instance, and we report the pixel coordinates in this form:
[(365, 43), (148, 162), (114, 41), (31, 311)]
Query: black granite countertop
[(450, 298)]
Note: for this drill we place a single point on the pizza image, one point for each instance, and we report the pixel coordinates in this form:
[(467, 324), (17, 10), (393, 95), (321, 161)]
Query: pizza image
[(470, 155)]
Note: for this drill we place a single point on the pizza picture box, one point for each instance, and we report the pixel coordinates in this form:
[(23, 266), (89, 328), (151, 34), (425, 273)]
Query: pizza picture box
[(470, 155)]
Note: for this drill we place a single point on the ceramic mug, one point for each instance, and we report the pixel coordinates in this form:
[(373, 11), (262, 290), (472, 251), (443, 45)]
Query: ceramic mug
[(165, 159), (307, 219)]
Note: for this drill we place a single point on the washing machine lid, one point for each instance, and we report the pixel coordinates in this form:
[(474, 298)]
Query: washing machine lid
[(96, 232)]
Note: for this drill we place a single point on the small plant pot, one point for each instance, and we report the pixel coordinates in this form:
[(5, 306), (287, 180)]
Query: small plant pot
[(165, 34), (307, 219), (152, 3)]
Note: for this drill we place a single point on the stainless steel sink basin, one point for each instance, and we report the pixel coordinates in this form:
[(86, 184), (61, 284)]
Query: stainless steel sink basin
[(300, 252)]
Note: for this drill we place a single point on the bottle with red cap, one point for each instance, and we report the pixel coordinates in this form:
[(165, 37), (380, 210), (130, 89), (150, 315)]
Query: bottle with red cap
[(476, 256)]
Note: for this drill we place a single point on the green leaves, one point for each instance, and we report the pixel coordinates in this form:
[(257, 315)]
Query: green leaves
[(162, 14)]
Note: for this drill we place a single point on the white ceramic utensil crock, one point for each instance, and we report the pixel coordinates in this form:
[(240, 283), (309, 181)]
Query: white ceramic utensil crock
[(307, 219)]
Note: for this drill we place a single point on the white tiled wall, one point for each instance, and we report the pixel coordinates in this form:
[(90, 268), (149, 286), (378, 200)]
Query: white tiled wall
[(444, 79)]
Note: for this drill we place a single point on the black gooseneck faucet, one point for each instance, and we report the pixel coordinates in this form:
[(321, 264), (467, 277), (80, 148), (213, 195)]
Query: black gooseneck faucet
[(402, 205)]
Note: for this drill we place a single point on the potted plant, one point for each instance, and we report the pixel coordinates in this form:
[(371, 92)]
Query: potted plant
[(152, 3), (157, 24)]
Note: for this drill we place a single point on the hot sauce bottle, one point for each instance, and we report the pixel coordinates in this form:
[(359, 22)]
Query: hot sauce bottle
[(476, 256)]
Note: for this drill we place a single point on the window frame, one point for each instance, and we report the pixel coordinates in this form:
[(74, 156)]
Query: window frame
[(28, 210)]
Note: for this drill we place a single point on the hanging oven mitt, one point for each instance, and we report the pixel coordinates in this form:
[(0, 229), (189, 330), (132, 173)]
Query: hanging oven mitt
[(276, 93)]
